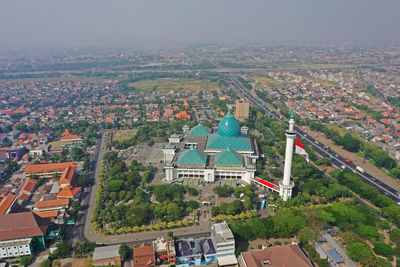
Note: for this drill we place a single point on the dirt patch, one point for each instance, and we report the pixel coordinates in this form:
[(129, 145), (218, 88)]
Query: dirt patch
[(70, 262), (123, 135), (367, 166)]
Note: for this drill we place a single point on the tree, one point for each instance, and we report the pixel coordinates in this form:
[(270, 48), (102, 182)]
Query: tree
[(26, 260), (383, 249), (359, 251), (124, 252), (306, 234), (395, 235), (170, 234), (84, 248), (223, 191), (63, 249), (45, 263)]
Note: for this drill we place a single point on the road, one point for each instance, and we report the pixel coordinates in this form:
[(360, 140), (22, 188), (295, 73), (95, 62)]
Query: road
[(321, 149)]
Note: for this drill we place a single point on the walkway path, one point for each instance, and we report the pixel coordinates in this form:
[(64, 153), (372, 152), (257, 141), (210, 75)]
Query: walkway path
[(340, 251)]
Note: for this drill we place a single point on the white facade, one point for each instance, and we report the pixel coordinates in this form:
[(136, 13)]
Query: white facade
[(15, 248), (209, 175), (286, 185), (224, 243)]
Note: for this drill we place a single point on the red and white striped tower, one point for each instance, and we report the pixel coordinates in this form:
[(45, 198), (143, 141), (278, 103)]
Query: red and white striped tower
[(286, 185)]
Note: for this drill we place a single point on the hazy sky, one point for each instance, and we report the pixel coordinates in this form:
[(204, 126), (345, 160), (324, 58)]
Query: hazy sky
[(126, 22)]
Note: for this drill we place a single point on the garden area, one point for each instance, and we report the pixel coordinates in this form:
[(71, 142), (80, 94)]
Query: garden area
[(127, 203)]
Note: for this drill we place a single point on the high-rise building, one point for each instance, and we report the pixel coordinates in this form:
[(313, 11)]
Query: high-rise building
[(242, 109)]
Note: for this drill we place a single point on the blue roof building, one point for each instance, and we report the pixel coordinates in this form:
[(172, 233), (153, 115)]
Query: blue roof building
[(228, 158), (226, 153), (193, 156), (199, 130)]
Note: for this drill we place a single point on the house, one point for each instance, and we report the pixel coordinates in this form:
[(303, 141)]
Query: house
[(69, 192), (55, 216), (165, 250), (67, 136), (284, 256), (21, 234), (16, 153), (26, 190), (144, 256), (8, 204), (105, 256), (47, 205), (192, 252)]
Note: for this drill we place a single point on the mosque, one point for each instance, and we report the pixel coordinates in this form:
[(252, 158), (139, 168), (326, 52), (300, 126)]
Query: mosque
[(227, 153), (201, 153)]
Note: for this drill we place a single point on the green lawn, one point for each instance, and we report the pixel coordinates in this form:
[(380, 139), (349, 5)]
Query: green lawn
[(175, 85)]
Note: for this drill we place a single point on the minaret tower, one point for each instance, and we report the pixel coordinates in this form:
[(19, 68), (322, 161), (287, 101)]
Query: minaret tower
[(286, 184)]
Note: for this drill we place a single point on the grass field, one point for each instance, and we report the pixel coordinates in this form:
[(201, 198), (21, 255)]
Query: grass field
[(123, 135), (174, 84), (322, 82), (268, 82)]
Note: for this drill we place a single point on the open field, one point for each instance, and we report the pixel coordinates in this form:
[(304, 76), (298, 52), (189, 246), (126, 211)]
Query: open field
[(174, 84), (322, 82), (268, 82), (122, 135), (72, 262)]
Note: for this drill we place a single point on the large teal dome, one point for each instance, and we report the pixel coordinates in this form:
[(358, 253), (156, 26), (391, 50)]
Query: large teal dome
[(229, 126)]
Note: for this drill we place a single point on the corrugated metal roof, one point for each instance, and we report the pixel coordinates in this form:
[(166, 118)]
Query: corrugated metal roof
[(106, 252)]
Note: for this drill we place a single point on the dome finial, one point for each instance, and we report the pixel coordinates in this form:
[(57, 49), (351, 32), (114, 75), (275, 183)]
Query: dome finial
[(292, 114)]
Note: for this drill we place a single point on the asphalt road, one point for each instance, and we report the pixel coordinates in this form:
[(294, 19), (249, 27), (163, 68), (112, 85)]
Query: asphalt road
[(321, 149)]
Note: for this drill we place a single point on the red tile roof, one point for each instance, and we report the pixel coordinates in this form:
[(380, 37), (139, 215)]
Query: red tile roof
[(283, 256), (52, 203), (22, 225), (49, 167), (48, 214), (68, 192), (6, 202)]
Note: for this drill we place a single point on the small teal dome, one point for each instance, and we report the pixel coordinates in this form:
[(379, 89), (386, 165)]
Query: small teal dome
[(229, 126)]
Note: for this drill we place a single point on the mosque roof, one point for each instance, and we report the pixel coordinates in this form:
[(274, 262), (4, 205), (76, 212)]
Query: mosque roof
[(193, 156), (241, 142), (228, 157), (229, 126), (199, 130)]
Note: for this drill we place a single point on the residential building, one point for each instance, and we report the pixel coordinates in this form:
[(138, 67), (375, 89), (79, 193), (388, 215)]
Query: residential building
[(22, 233), (48, 205), (144, 256), (105, 256), (191, 252), (242, 109), (164, 249), (8, 204), (224, 244), (283, 256)]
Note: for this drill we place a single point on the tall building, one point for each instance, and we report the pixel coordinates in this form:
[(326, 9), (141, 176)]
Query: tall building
[(242, 109), (286, 185), (224, 244)]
